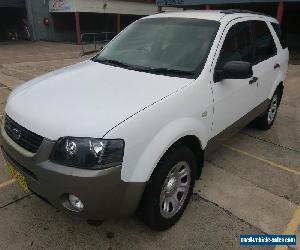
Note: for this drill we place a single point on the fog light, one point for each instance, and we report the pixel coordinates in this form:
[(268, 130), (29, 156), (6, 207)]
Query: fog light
[(76, 202)]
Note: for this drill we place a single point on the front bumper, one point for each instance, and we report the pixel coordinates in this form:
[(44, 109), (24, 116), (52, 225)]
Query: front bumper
[(102, 192)]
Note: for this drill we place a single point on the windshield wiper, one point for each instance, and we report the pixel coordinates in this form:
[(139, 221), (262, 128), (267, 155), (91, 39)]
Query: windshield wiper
[(169, 71), (164, 71), (112, 62)]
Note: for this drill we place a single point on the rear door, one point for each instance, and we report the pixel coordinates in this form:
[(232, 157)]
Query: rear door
[(233, 98), (265, 66), (282, 50)]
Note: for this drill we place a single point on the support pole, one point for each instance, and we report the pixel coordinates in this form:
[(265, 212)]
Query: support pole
[(78, 33), (207, 7), (118, 21), (31, 21), (280, 12)]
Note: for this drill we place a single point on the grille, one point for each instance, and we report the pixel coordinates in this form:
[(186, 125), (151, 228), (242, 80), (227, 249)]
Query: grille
[(22, 136)]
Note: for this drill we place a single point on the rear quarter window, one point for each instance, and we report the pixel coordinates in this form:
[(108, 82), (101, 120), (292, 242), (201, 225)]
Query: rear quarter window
[(279, 34), (264, 44)]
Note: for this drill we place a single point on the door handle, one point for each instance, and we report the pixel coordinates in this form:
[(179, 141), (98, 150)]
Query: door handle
[(277, 65), (253, 80)]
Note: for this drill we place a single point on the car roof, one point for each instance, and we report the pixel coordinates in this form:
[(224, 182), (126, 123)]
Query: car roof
[(216, 15)]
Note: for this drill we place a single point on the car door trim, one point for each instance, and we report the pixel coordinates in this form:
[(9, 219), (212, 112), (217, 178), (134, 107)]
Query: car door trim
[(220, 138)]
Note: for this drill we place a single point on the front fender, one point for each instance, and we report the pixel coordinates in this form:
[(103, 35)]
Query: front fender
[(163, 140), (150, 133)]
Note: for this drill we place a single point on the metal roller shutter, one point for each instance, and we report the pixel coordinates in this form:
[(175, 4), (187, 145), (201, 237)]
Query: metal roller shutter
[(12, 3)]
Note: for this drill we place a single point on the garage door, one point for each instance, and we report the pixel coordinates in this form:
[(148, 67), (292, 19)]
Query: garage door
[(12, 3)]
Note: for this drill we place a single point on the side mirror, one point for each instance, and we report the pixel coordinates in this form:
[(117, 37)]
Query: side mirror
[(234, 70)]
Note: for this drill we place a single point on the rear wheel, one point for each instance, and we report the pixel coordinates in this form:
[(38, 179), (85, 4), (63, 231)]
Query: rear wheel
[(266, 121), (169, 189)]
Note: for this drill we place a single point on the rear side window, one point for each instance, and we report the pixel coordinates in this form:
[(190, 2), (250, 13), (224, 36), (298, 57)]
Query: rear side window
[(237, 45), (263, 41), (278, 31)]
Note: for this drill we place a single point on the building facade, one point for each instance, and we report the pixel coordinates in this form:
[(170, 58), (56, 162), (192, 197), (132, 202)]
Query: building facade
[(286, 12), (65, 20)]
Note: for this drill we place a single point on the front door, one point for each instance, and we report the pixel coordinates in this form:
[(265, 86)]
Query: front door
[(234, 98)]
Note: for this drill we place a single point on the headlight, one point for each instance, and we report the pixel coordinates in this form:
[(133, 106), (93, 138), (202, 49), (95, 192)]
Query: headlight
[(88, 153)]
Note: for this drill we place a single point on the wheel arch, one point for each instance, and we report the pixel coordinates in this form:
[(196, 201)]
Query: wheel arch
[(277, 85), (188, 131), (280, 89), (194, 144)]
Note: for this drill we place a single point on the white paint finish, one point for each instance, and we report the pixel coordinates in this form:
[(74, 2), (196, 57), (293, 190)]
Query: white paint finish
[(266, 73), (207, 14), (86, 99), (282, 58), (213, 15), (233, 98), (150, 133), (150, 112)]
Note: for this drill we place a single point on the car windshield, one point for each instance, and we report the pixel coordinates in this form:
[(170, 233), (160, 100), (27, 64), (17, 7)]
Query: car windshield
[(167, 46)]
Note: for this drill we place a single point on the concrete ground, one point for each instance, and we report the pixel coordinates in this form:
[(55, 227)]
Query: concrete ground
[(251, 185)]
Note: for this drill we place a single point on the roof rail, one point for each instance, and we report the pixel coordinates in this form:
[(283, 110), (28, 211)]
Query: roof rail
[(237, 11)]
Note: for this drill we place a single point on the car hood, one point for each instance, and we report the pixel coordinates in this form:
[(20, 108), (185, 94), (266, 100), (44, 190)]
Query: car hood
[(86, 99)]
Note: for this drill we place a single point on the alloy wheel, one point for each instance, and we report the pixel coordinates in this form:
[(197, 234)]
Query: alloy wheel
[(175, 189), (272, 109)]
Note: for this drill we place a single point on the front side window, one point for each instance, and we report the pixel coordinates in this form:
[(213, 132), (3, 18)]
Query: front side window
[(237, 45), (263, 41), (170, 46)]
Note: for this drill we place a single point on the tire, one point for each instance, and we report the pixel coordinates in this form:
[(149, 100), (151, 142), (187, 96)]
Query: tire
[(156, 209), (266, 121)]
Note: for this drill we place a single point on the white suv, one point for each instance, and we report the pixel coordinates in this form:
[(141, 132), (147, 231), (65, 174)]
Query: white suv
[(128, 130)]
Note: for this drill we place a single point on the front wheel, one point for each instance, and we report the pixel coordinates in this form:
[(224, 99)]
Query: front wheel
[(169, 189)]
